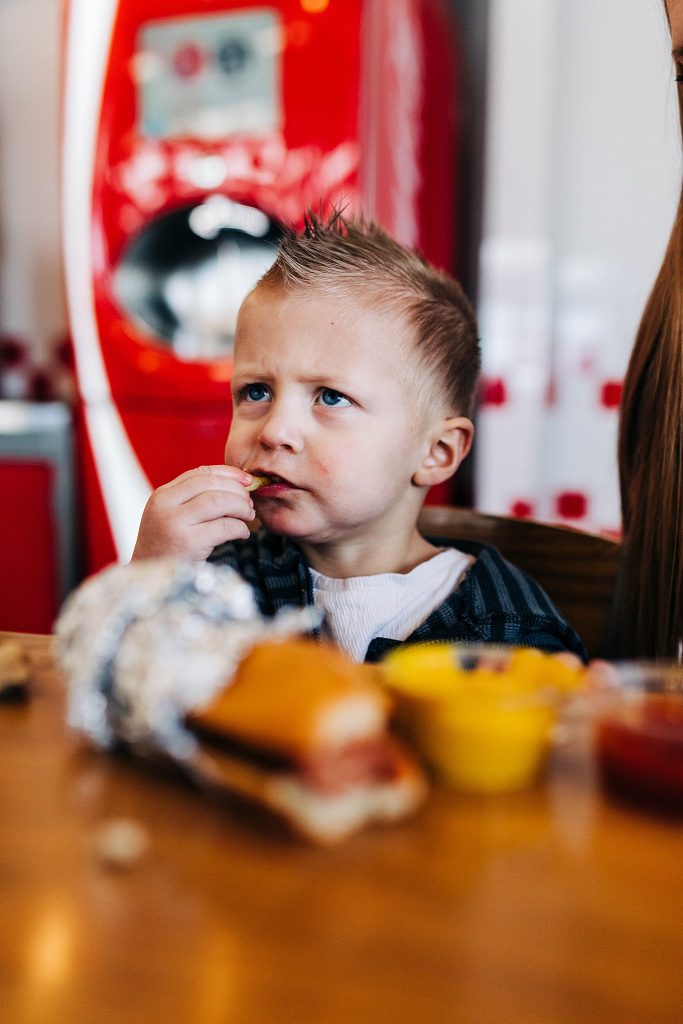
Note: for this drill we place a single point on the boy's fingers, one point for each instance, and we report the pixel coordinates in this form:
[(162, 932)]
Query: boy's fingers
[(209, 472), (210, 505), (185, 489), (221, 530), (180, 517), (195, 542)]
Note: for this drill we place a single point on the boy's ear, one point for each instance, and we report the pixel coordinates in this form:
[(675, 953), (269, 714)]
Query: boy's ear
[(447, 449)]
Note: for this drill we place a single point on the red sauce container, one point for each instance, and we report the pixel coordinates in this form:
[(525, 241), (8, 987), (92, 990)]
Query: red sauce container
[(639, 735)]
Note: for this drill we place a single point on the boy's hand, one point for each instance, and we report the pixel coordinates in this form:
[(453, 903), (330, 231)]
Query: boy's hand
[(194, 513)]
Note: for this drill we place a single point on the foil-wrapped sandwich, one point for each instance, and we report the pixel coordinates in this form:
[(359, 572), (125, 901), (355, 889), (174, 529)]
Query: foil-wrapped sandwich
[(172, 658)]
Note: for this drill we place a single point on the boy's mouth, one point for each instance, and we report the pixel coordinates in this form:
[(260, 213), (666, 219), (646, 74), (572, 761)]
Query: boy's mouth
[(257, 482), (263, 481)]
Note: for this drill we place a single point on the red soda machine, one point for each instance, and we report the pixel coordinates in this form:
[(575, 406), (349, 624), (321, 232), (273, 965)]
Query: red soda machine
[(192, 129)]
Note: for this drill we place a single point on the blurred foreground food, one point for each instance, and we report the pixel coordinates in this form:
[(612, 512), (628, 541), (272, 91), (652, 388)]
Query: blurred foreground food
[(173, 659)]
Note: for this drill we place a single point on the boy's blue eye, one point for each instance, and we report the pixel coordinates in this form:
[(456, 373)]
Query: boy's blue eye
[(332, 398), (256, 392)]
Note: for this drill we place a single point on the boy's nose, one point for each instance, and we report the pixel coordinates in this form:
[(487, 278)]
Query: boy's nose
[(279, 431)]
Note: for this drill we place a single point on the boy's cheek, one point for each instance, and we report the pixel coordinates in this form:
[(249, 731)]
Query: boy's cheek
[(323, 469), (236, 442), (231, 455)]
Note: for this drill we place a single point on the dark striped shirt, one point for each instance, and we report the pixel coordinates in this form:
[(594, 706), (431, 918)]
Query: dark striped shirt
[(494, 603)]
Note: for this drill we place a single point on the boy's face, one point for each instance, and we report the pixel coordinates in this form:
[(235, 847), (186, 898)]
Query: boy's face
[(325, 398)]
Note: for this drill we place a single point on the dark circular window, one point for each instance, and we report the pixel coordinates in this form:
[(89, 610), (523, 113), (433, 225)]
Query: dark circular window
[(185, 275)]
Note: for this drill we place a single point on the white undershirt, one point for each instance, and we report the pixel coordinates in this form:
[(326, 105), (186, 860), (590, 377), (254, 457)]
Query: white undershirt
[(389, 604)]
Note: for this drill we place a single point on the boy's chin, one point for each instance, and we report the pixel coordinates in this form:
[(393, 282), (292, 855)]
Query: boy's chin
[(285, 522)]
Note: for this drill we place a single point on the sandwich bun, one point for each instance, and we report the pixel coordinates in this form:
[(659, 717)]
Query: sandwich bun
[(296, 697), (303, 731)]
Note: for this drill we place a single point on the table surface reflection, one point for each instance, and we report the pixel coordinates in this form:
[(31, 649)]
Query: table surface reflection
[(555, 905)]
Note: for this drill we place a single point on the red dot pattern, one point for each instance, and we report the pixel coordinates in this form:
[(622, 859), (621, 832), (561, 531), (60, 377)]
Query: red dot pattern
[(521, 509), (493, 391), (610, 394), (571, 504), (598, 396)]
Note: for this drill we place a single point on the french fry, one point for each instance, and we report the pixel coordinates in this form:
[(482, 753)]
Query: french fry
[(258, 481)]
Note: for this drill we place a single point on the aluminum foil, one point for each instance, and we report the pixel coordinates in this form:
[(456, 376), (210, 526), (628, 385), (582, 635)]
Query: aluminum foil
[(142, 644)]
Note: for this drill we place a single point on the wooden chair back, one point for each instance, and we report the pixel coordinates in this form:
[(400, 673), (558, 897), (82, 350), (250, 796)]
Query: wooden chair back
[(576, 569)]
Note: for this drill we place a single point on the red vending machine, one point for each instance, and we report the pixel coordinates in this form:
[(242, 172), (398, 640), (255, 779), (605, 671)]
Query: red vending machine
[(192, 130)]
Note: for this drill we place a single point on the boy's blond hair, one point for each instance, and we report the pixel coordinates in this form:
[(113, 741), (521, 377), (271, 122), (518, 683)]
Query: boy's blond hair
[(358, 257)]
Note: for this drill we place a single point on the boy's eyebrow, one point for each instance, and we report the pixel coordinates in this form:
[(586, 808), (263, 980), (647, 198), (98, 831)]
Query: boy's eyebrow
[(677, 53), (268, 377)]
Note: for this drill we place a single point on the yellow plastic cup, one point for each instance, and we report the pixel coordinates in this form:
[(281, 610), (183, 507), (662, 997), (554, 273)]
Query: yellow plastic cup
[(482, 717)]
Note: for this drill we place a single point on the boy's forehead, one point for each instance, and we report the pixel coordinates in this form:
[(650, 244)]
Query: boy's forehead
[(358, 310), (373, 332)]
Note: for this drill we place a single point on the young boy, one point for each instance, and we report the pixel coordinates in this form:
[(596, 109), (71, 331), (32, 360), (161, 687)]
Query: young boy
[(355, 370)]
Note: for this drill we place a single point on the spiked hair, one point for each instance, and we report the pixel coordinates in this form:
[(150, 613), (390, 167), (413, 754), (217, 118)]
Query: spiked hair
[(357, 258)]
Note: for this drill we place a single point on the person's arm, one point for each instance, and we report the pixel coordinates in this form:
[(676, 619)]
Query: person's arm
[(196, 512)]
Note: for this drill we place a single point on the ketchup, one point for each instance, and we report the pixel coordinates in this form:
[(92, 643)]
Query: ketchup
[(640, 751)]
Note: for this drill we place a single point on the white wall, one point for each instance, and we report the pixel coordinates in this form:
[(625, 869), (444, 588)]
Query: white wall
[(582, 178), (617, 170), (31, 298)]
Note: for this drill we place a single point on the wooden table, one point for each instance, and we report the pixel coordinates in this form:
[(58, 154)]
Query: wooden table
[(555, 905)]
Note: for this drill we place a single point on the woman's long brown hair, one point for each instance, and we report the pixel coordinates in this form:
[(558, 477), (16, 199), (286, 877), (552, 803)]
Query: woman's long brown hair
[(648, 612)]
